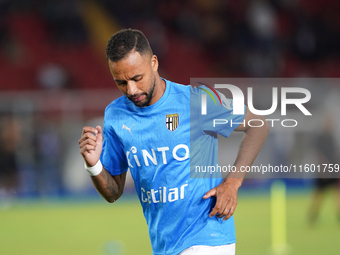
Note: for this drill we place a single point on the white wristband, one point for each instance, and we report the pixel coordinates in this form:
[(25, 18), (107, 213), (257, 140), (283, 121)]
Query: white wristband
[(94, 170)]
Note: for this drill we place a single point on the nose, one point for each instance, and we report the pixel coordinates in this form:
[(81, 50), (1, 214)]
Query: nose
[(131, 88)]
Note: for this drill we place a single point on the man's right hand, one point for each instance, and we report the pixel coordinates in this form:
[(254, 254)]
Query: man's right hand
[(91, 144)]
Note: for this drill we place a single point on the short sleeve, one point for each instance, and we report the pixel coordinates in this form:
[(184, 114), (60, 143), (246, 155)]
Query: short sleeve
[(219, 117), (112, 156)]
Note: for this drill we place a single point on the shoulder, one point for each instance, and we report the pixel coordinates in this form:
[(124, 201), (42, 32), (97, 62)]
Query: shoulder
[(177, 88), (116, 105), (116, 112)]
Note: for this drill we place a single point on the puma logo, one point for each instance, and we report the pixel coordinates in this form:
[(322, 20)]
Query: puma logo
[(129, 129)]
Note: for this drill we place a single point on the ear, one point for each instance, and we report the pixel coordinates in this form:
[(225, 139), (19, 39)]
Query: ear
[(154, 63)]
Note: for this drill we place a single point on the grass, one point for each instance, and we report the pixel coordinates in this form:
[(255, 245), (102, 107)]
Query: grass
[(96, 227)]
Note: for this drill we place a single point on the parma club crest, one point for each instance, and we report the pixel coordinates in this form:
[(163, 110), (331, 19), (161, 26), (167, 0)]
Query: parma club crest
[(172, 121)]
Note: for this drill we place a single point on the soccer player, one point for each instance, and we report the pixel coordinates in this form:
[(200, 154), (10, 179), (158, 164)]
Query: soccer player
[(155, 131), (326, 150)]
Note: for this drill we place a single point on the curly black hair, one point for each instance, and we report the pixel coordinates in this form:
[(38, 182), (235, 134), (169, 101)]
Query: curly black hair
[(125, 41)]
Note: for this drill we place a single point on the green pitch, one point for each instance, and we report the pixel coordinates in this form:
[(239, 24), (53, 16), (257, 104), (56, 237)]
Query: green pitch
[(96, 227)]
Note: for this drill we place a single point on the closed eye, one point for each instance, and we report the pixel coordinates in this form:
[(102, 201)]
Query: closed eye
[(137, 78), (120, 83)]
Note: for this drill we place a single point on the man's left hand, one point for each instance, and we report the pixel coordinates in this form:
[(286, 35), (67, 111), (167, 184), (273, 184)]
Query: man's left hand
[(226, 199)]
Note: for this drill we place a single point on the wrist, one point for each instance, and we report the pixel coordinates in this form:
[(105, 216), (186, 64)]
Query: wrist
[(237, 182), (94, 170)]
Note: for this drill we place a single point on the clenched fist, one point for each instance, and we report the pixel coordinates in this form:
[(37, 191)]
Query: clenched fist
[(91, 144)]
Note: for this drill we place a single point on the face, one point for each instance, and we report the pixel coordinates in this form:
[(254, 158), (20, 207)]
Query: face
[(135, 77)]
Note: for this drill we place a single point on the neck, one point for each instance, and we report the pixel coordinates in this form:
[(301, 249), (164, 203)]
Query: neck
[(160, 86)]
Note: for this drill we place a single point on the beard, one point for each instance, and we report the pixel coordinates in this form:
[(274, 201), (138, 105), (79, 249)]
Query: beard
[(148, 96)]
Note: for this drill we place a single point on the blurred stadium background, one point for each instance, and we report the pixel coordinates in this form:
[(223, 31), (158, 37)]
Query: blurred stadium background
[(54, 80)]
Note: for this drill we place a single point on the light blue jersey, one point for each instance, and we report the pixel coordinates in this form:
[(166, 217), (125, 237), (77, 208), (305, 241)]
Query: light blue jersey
[(154, 143)]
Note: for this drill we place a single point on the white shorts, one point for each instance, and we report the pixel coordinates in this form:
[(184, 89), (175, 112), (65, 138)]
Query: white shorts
[(209, 250)]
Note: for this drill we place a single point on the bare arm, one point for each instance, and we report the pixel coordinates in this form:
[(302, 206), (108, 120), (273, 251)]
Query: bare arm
[(108, 186), (251, 145)]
